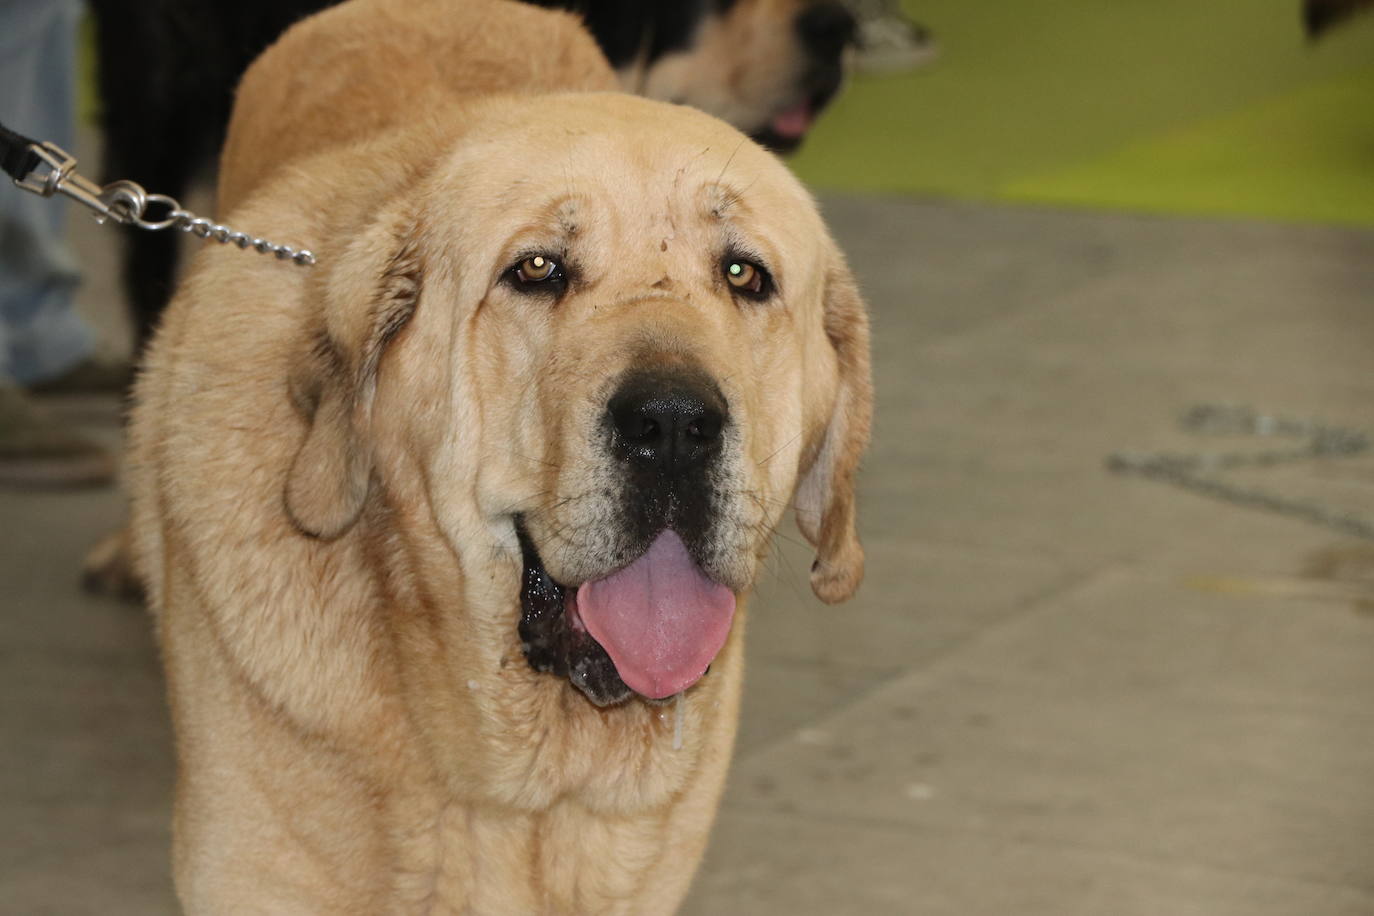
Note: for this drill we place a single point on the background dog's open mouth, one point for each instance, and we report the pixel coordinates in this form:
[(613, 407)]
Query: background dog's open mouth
[(788, 127), (793, 123), (652, 627)]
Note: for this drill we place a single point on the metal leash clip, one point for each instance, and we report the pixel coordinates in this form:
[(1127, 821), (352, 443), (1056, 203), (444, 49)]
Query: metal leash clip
[(127, 203)]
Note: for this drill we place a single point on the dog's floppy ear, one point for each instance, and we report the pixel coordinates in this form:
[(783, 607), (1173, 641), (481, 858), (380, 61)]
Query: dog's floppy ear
[(371, 293), (825, 495)]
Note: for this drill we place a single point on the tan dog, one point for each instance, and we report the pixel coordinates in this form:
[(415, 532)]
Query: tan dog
[(437, 529)]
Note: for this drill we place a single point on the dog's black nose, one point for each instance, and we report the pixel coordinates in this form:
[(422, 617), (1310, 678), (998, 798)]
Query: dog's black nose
[(669, 422), (826, 28)]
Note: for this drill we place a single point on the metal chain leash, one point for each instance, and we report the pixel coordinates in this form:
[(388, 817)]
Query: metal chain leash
[(1195, 471), (53, 171)]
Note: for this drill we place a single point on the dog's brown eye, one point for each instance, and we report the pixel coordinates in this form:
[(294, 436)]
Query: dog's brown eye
[(538, 275), (743, 275), (536, 269), (748, 278)]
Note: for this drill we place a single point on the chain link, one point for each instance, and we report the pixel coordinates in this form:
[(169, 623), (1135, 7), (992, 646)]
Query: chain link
[(210, 230), (1194, 471)]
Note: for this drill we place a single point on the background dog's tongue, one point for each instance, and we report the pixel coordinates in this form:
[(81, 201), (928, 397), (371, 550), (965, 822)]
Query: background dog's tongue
[(793, 122), (660, 619)]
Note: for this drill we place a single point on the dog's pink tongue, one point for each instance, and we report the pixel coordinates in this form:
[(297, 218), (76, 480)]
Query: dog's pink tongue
[(660, 619), (794, 122)]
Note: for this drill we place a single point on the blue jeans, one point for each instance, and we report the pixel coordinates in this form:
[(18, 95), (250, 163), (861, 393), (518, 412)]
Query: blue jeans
[(41, 335)]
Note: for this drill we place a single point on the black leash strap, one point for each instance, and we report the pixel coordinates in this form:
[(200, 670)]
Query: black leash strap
[(18, 156)]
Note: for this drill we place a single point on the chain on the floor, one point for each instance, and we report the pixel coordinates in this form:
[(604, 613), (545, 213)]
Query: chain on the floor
[(1194, 471)]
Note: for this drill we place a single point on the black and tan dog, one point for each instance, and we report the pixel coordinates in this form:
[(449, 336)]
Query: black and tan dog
[(444, 533), (168, 70)]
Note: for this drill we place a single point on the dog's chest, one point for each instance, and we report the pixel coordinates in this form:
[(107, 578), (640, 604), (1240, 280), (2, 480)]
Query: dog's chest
[(565, 860)]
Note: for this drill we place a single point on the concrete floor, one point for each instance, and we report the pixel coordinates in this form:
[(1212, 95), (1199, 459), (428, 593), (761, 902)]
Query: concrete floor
[(1061, 691)]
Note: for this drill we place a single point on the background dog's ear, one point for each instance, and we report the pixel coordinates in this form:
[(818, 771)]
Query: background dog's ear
[(369, 296), (825, 495)]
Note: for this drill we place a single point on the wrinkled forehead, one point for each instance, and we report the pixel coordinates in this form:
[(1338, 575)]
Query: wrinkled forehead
[(625, 166)]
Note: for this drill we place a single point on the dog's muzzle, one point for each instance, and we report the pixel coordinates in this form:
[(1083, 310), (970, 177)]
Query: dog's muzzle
[(653, 620)]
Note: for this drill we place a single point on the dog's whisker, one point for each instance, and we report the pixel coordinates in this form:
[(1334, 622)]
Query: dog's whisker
[(726, 167), (773, 454), (530, 458), (682, 170)]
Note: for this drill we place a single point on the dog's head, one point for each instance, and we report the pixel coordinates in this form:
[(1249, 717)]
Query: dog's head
[(614, 339), (766, 66)]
